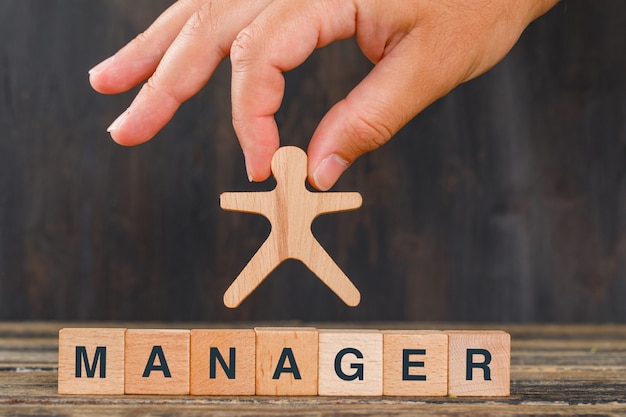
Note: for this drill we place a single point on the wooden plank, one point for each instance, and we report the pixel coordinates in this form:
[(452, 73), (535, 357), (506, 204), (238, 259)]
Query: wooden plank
[(582, 381), (322, 410), (529, 177)]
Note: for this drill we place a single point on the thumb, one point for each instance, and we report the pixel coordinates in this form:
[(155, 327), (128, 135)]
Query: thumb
[(398, 87)]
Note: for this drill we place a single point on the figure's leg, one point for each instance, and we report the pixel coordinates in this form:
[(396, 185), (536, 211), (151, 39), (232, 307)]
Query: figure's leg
[(264, 261), (322, 265)]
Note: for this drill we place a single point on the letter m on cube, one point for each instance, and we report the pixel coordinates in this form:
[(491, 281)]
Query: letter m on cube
[(82, 359), (91, 361)]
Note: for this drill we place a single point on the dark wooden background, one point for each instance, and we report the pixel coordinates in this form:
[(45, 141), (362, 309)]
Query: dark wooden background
[(505, 201)]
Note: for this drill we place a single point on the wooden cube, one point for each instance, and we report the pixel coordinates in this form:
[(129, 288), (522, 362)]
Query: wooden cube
[(415, 363), (223, 362), (479, 363), (91, 361), (157, 362), (350, 362), (286, 361)]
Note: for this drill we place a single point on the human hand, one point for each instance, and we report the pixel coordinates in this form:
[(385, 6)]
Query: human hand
[(422, 49)]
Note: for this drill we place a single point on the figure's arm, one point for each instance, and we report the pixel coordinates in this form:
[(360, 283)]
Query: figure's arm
[(252, 202), (333, 202)]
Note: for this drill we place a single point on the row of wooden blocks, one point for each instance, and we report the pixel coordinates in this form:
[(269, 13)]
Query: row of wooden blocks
[(284, 361)]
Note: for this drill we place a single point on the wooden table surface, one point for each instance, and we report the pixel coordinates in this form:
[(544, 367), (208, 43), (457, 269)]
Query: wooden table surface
[(555, 370)]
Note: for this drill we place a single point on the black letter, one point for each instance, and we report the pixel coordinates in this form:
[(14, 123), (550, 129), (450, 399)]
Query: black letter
[(280, 367), (406, 364), (150, 366), (358, 366), (81, 356), (484, 364), (214, 353)]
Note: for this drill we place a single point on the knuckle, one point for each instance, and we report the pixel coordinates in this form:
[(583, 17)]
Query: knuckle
[(369, 132), (240, 50), (156, 87), (141, 40), (202, 23)]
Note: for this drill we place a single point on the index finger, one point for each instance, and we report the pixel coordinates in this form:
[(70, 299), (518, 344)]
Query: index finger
[(136, 61), (278, 40)]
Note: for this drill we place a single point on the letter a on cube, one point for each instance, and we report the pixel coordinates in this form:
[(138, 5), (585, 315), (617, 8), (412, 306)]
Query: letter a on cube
[(286, 361), (157, 362)]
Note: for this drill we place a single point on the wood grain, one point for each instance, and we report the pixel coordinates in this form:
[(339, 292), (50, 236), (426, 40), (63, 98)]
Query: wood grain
[(479, 363), (555, 370), (237, 350), (157, 362), (291, 209), (504, 201), (103, 354), (351, 362), (429, 359), (286, 361)]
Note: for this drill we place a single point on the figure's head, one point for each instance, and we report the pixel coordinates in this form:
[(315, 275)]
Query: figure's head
[(289, 163)]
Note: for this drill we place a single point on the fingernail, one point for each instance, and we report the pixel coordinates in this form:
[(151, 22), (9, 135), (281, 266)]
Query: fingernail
[(248, 170), (329, 171), (101, 66), (118, 122)]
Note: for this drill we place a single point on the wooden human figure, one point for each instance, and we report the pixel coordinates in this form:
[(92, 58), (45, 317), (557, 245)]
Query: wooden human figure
[(290, 208)]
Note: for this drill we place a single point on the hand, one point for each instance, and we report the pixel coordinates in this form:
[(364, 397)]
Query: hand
[(422, 49)]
